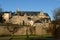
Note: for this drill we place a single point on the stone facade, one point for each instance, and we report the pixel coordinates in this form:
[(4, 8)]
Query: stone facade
[(6, 16), (40, 20)]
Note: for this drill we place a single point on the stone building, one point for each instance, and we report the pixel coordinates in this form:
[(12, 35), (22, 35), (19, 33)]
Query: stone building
[(37, 20), (26, 16)]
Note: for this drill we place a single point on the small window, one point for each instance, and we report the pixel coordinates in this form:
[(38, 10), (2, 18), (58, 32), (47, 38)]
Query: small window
[(29, 18), (38, 21)]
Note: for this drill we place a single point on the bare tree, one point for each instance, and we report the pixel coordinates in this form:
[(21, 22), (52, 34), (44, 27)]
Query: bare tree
[(56, 22), (1, 18), (13, 29), (56, 14), (1, 10)]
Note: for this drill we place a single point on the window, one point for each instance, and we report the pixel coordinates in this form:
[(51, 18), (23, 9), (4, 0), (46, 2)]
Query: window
[(29, 18)]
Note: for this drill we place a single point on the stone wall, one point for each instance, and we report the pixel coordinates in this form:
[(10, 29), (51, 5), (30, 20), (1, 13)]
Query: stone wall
[(4, 31), (37, 30)]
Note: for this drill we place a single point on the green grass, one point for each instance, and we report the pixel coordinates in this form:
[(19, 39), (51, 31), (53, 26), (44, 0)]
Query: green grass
[(25, 36)]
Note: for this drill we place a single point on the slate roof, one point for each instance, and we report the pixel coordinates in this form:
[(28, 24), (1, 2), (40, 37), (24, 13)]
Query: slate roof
[(28, 13), (32, 13)]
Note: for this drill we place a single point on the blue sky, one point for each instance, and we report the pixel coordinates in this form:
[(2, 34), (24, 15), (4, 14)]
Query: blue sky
[(31, 5)]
